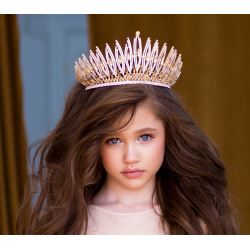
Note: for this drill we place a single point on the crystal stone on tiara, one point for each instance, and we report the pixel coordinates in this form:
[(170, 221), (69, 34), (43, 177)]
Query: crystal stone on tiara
[(133, 66)]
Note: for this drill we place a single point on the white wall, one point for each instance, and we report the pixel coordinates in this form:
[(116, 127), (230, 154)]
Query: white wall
[(49, 47)]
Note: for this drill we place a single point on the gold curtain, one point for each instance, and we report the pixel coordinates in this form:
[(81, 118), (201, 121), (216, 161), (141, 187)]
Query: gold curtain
[(215, 80), (13, 167)]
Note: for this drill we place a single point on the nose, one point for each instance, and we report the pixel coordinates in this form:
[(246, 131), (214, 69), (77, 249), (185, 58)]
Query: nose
[(131, 154)]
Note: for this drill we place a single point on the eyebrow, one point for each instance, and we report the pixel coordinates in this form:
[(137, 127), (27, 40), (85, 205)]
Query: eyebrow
[(143, 130)]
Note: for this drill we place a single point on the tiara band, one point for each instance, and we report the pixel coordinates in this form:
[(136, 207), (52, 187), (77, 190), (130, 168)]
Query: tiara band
[(127, 82), (133, 66)]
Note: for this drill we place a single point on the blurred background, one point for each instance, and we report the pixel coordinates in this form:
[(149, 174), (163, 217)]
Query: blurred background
[(37, 55)]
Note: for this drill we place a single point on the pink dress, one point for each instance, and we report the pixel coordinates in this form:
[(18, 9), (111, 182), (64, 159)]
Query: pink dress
[(102, 221)]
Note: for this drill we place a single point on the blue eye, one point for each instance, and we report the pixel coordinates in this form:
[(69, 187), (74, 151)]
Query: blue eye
[(113, 141), (146, 137)]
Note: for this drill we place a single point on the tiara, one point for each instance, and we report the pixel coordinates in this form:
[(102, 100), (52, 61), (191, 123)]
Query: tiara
[(133, 66)]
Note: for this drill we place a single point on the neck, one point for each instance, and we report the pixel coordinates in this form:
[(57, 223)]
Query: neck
[(113, 192)]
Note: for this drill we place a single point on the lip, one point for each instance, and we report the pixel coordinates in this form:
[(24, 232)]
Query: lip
[(133, 172)]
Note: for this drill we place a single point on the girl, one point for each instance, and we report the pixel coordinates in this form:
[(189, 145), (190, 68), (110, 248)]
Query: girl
[(126, 158)]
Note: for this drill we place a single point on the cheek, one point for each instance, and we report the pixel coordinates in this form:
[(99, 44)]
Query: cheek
[(109, 158), (155, 154)]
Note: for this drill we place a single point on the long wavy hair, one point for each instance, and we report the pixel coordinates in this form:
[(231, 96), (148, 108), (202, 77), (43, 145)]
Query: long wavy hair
[(67, 172)]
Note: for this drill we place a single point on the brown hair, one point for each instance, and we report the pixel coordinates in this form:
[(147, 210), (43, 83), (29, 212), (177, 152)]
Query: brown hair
[(191, 185)]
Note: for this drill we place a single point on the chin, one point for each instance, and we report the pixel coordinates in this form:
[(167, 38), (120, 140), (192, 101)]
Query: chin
[(133, 184)]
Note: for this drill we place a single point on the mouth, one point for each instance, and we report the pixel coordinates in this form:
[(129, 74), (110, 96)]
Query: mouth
[(133, 173), (132, 170)]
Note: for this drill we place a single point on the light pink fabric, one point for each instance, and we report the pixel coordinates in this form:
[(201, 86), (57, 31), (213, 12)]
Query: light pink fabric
[(106, 222)]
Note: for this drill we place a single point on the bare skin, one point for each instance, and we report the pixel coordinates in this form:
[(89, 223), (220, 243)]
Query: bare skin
[(130, 148)]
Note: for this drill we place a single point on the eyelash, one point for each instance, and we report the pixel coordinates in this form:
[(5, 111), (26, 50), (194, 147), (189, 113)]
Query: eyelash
[(109, 140)]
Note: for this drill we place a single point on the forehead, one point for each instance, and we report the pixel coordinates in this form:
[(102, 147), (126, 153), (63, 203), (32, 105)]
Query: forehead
[(144, 117)]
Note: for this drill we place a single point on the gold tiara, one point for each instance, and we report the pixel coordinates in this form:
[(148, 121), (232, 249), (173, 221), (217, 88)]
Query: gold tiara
[(129, 67)]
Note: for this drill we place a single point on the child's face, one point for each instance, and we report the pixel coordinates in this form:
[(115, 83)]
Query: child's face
[(131, 148)]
